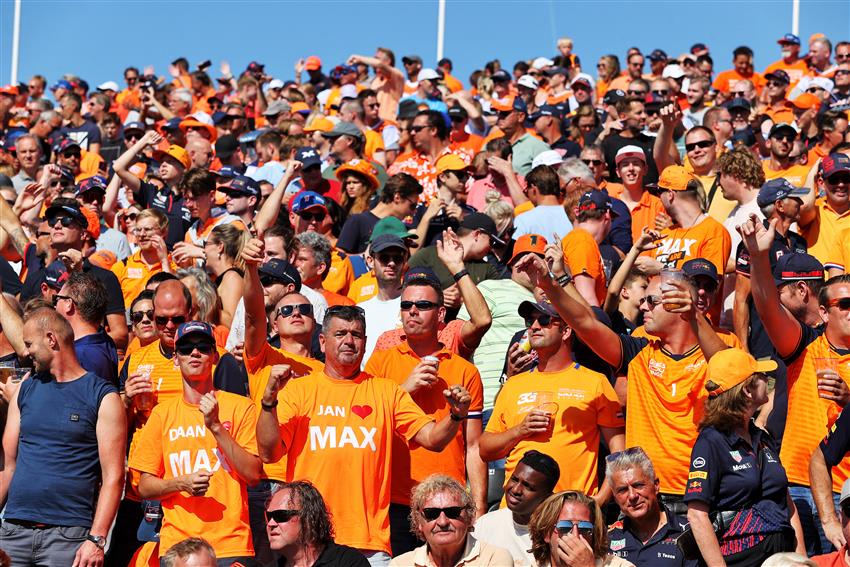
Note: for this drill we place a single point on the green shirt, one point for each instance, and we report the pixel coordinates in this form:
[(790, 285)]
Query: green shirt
[(479, 270), (525, 150)]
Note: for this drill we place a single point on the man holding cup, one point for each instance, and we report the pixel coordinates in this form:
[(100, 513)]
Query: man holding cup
[(560, 408)]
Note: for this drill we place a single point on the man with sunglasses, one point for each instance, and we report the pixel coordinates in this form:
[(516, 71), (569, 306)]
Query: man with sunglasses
[(197, 453), (569, 428), (814, 398), (300, 528), (779, 109), (780, 143), (841, 92), (823, 220), (90, 194)]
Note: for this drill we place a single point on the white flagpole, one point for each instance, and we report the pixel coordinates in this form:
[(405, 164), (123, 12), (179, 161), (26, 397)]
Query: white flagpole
[(16, 38), (441, 27), (795, 17)]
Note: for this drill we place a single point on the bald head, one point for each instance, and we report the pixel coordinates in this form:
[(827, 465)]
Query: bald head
[(172, 306), (200, 151)]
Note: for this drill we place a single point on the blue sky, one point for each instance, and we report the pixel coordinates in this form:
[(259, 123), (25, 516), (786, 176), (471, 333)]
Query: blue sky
[(97, 39)]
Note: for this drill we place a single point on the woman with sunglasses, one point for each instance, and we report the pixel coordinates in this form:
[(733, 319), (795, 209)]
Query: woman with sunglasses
[(141, 319), (442, 514), (568, 530), (739, 507)]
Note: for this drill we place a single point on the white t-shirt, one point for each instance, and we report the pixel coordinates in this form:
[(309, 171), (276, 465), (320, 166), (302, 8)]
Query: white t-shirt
[(381, 316), (499, 528), (739, 215), (543, 220)]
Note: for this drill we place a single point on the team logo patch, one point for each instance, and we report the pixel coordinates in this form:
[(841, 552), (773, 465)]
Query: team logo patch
[(698, 463), (736, 455), (618, 544), (698, 474)]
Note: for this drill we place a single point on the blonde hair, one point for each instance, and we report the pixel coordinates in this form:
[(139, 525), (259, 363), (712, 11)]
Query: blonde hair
[(545, 517), (233, 239), (158, 216), (498, 210), (435, 484)]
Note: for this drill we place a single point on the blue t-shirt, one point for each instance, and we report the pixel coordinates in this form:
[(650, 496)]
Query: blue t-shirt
[(57, 472), (85, 134), (97, 354)]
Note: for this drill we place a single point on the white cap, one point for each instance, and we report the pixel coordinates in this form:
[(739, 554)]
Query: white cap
[(627, 152), (201, 117), (587, 78), (275, 84), (428, 74), (529, 82), (541, 62), (673, 72), (548, 157), (822, 82), (109, 86)]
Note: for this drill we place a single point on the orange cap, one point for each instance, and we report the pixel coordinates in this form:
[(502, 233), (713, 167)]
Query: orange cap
[(806, 101), (319, 124), (299, 106), (732, 366), (313, 63), (103, 259), (674, 178), (504, 104), (10, 90), (528, 243), (450, 162), (176, 152), (190, 122), (362, 168), (93, 227)]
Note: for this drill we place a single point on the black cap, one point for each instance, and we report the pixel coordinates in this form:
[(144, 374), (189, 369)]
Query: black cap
[(422, 274), (384, 241), (458, 112), (480, 221), (614, 96), (501, 76), (282, 271), (243, 186), (700, 267), (543, 306), (411, 59), (226, 146), (738, 103), (796, 266)]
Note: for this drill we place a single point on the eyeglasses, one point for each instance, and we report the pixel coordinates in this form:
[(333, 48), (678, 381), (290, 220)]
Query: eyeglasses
[(281, 516), (839, 178), (661, 92), (386, 258), (842, 56), (843, 71), (451, 512), (702, 144), (139, 316), (418, 128), (305, 309), (421, 305), (585, 528), (592, 162), (310, 217), (843, 303), (57, 298), (162, 320), (203, 347)]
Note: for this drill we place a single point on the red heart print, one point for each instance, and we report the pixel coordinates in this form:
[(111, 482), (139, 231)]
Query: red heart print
[(362, 411)]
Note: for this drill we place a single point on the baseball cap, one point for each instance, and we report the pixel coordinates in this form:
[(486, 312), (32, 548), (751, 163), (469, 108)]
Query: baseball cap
[(56, 274), (384, 241), (779, 127), (480, 221), (300, 108), (731, 367), (229, 171), (312, 63), (845, 492), (109, 86), (789, 38), (319, 124), (226, 146), (738, 103), (778, 75), (308, 156), (450, 162), (255, 66), (243, 186), (541, 62), (528, 82), (552, 71), (547, 157), (501, 76), (277, 107), (795, 266), (581, 82), (834, 163), (822, 82), (700, 267), (596, 200), (526, 243), (10, 90), (458, 112), (307, 200), (190, 328), (62, 84), (614, 96), (543, 306), (778, 188), (657, 55), (394, 226), (411, 59), (340, 70), (136, 125), (744, 136), (173, 124), (509, 103), (275, 84), (93, 183), (344, 129), (428, 74), (200, 120), (546, 110), (698, 47), (176, 152), (806, 101), (674, 178), (73, 211), (282, 271), (629, 152), (422, 274), (673, 71), (92, 223), (65, 144)]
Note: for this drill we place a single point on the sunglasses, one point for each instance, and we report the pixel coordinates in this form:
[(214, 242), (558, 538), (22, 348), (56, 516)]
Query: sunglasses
[(73, 153), (843, 71), (451, 512), (385, 258), (267, 281), (843, 303), (281, 516), (652, 112), (421, 305), (652, 300), (814, 89), (739, 94), (419, 128), (305, 309), (204, 347), (139, 316), (544, 320), (775, 84), (694, 145), (784, 137), (57, 298), (162, 320), (837, 178), (637, 93), (458, 119), (502, 114), (585, 529), (310, 217), (66, 221), (661, 92), (592, 162), (132, 216)]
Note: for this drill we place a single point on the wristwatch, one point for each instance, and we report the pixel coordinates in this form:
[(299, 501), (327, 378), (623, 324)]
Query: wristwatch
[(99, 541)]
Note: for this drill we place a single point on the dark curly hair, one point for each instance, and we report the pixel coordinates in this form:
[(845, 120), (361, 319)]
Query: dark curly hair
[(316, 522)]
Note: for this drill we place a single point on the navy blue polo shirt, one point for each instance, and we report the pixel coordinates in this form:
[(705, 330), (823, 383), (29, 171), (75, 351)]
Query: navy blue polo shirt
[(171, 204), (836, 445), (660, 550), (98, 355)]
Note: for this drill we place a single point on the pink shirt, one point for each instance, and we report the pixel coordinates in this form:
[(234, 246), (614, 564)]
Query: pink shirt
[(478, 189)]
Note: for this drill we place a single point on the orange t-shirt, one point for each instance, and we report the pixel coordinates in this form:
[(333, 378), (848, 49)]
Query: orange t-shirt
[(374, 144), (666, 395), (335, 298), (449, 335), (412, 465), (796, 174), (823, 232), (782, 112), (470, 142), (175, 442), (339, 434), (424, 170), (581, 253), (259, 368), (363, 288), (133, 274), (726, 80), (340, 275), (452, 83), (796, 70), (811, 415), (644, 213), (585, 402), (707, 239)]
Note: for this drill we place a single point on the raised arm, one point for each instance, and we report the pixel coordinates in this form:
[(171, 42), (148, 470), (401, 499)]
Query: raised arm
[(12, 225), (808, 211), (646, 241), (110, 200), (13, 326), (450, 253), (680, 296), (505, 168), (664, 152), (256, 326), (125, 160), (270, 210), (434, 436), (393, 74)]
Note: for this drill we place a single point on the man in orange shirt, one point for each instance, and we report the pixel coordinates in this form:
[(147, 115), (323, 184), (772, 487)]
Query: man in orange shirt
[(424, 367), (581, 245), (151, 258), (644, 207), (778, 107), (792, 65), (558, 407), (388, 83), (336, 427), (780, 142), (823, 219), (197, 453), (742, 59)]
